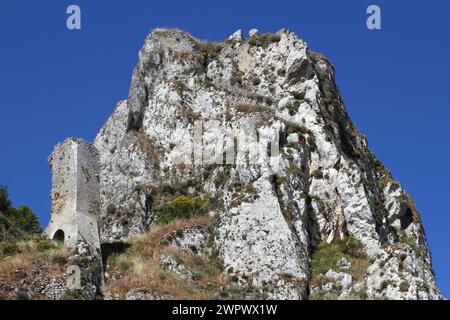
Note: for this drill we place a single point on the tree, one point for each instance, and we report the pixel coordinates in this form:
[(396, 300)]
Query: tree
[(5, 203), (26, 220), (23, 218)]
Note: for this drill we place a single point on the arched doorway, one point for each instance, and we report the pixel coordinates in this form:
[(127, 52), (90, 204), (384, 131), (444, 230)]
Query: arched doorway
[(59, 236)]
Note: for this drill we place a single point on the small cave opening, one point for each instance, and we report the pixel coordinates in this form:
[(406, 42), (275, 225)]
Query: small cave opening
[(59, 236), (282, 138), (407, 218), (148, 204)]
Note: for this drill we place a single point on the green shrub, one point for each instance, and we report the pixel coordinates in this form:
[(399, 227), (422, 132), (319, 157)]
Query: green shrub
[(385, 284), (26, 220), (300, 95), (44, 245), (111, 209), (23, 218), (312, 143), (5, 203), (210, 49), (182, 207), (9, 249), (404, 286), (256, 81), (236, 78), (263, 40), (322, 74), (22, 294), (328, 91), (412, 243), (326, 256), (300, 130), (294, 169), (318, 174), (61, 260), (352, 247), (293, 107)]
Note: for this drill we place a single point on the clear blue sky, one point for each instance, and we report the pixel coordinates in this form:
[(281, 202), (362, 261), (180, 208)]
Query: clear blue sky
[(56, 83)]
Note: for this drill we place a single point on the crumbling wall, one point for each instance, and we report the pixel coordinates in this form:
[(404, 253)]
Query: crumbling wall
[(75, 192), (63, 195), (88, 192)]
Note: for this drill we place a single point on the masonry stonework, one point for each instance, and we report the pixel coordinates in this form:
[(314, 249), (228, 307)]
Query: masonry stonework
[(75, 193)]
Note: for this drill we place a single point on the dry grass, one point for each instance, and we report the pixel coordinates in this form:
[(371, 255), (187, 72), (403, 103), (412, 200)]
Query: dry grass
[(264, 40), (30, 254), (264, 114), (140, 266), (185, 112), (210, 49), (142, 271), (165, 32), (147, 146), (412, 206), (249, 108), (326, 256), (359, 267), (158, 232), (188, 55)]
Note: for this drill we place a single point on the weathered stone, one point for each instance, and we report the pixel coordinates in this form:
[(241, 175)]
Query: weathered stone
[(75, 193), (253, 32), (329, 187), (237, 36)]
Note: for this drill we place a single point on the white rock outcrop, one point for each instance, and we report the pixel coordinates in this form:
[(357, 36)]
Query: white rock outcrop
[(275, 213)]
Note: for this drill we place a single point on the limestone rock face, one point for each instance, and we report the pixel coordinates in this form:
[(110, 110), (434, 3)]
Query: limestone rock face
[(299, 179)]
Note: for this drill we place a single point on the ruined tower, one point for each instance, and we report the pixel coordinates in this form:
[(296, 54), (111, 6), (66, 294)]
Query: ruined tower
[(75, 193)]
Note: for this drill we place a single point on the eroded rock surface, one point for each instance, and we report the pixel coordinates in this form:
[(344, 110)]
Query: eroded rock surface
[(272, 221)]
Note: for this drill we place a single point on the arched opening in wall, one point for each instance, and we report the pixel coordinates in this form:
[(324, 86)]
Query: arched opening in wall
[(59, 236)]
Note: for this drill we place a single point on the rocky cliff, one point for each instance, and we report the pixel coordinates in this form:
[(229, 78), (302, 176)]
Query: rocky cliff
[(315, 216)]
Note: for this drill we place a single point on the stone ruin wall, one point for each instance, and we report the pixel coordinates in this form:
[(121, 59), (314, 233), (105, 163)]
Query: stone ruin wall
[(88, 191), (75, 192), (63, 194)]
